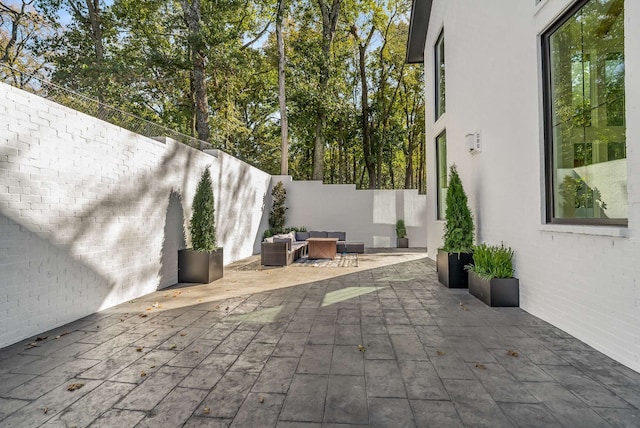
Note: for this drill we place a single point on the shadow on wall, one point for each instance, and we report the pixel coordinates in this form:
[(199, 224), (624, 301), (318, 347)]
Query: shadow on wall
[(264, 221), (174, 240), (90, 258), (38, 279), (237, 224)]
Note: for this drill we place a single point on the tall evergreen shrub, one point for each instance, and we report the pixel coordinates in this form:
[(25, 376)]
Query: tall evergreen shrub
[(203, 228), (458, 235), (277, 217)]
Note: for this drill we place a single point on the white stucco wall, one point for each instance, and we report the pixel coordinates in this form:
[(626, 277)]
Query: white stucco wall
[(367, 216), (92, 215), (585, 280)]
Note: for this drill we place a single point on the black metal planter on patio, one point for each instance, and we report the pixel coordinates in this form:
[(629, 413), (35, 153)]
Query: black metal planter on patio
[(451, 272), (403, 242), (497, 292), (200, 266)]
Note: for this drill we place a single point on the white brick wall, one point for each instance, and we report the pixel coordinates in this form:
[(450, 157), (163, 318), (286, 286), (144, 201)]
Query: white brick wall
[(91, 215), (585, 280)]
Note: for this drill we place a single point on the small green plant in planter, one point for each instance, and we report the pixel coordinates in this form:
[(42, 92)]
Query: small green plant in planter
[(203, 263), (401, 234), (491, 276), (457, 250)]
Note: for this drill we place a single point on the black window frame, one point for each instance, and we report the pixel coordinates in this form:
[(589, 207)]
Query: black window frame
[(436, 63), (438, 181), (548, 128)]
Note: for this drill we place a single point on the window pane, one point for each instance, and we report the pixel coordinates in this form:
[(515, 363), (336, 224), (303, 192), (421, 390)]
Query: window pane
[(440, 80), (588, 147), (441, 160)]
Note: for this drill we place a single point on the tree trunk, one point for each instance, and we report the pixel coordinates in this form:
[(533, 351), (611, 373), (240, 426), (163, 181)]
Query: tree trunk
[(364, 89), (329, 23), (192, 19), (284, 121)]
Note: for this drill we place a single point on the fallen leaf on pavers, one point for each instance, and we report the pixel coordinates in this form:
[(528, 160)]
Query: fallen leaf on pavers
[(261, 399), (45, 410), (62, 334), (512, 352), (139, 349), (133, 301), (227, 308), (183, 334), (156, 305), (218, 307), (441, 353), (172, 346), (75, 386), (144, 315), (153, 367), (143, 374), (361, 348), (40, 339), (31, 345), (206, 410), (199, 300), (149, 309), (481, 366)]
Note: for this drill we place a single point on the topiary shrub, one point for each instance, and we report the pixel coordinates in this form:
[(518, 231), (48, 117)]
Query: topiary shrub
[(277, 217), (202, 224), (458, 235)]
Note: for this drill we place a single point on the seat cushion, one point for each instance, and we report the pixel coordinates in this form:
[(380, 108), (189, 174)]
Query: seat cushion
[(317, 234), (287, 240), (302, 236), (342, 236)]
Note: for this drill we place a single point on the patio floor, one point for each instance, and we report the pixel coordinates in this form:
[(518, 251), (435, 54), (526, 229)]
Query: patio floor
[(380, 345)]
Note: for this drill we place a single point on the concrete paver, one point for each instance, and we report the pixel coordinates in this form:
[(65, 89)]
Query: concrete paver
[(382, 345)]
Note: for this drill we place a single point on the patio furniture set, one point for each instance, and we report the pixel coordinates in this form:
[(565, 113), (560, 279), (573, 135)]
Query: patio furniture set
[(284, 249)]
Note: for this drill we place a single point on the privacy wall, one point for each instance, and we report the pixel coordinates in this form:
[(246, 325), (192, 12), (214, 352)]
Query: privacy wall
[(92, 215), (367, 216)]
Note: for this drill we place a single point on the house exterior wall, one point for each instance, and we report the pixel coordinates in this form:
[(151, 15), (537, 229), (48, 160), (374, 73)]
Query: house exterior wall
[(583, 279), (92, 215), (367, 216)]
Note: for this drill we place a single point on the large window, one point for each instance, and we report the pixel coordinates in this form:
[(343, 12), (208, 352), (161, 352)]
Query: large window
[(439, 76), (441, 168), (585, 140)]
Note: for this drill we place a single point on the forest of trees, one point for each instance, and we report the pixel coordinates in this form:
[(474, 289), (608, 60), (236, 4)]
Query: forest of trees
[(230, 72)]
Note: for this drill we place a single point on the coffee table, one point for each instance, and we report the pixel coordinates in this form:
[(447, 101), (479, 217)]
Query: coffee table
[(322, 248)]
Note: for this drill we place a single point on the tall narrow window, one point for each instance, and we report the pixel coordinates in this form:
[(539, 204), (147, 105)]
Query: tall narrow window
[(585, 140), (442, 181), (439, 76)]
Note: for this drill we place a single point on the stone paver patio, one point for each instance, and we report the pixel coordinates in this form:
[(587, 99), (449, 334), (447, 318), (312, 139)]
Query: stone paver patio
[(387, 346)]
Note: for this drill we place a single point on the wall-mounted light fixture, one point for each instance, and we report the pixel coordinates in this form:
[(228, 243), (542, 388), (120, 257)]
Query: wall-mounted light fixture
[(473, 142)]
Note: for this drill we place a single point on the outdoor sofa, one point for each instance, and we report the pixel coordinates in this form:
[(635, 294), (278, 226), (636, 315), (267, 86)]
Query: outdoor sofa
[(284, 249)]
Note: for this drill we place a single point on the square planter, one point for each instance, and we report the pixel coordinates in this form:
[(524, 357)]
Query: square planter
[(451, 272), (496, 291), (403, 242), (200, 266)]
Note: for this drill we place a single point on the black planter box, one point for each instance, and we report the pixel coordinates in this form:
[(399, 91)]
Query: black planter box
[(451, 272), (496, 291), (403, 242), (200, 266)]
